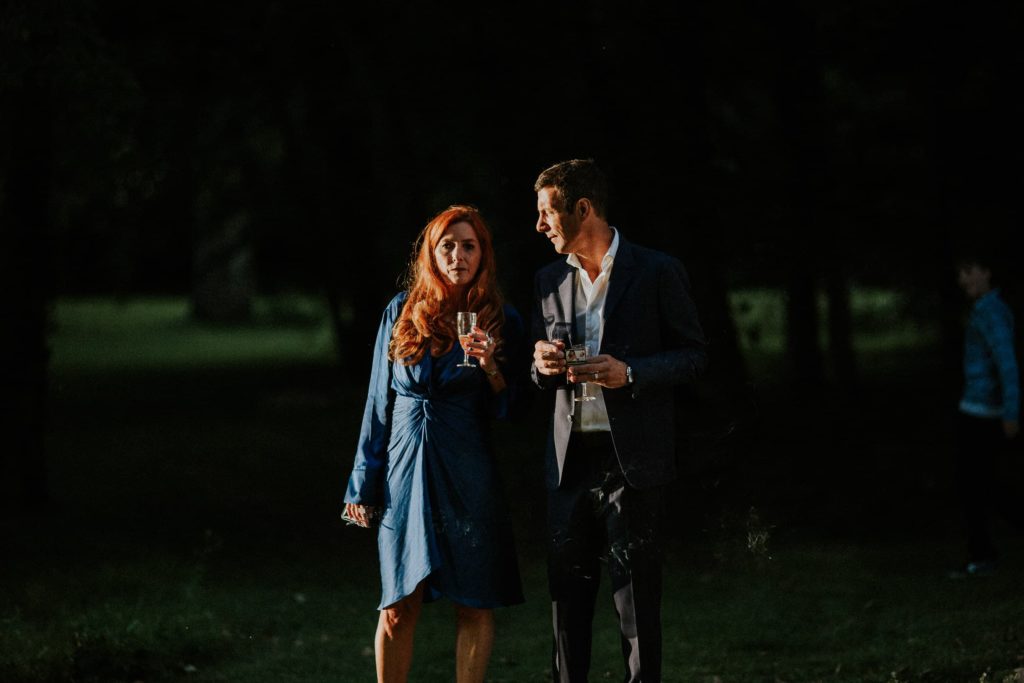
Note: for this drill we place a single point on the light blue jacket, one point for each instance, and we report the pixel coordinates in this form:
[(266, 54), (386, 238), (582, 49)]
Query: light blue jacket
[(991, 381)]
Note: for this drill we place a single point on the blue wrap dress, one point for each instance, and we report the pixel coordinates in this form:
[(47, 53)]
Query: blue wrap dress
[(424, 456)]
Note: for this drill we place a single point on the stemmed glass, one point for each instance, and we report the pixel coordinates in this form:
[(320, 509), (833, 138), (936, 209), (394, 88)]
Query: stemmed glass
[(465, 321)]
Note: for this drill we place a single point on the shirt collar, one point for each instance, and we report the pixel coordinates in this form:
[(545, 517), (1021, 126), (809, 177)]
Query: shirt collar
[(609, 256)]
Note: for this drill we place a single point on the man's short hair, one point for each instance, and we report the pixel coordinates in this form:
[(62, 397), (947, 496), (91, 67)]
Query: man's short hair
[(574, 180), (983, 255), (987, 256)]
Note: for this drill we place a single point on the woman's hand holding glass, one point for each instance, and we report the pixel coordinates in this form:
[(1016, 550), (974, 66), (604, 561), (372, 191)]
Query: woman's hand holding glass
[(481, 346)]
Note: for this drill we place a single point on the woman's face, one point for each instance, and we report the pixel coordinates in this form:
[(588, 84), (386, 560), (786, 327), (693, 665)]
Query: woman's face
[(458, 254)]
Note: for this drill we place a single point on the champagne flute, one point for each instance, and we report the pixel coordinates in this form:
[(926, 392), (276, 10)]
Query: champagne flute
[(465, 321)]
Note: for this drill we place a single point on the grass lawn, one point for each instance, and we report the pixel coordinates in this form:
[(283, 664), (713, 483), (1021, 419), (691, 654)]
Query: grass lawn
[(193, 536)]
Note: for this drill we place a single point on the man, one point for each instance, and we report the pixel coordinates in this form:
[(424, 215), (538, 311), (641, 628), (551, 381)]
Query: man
[(989, 415), (607, 459)]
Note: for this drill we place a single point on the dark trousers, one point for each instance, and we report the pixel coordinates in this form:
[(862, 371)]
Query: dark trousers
[(596, 516), (980, 443)]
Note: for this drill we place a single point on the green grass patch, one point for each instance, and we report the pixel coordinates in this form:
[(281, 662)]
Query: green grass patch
[(99, 334)]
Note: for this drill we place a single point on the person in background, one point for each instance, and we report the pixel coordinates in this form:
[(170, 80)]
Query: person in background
[(424, 473), (989, 414)]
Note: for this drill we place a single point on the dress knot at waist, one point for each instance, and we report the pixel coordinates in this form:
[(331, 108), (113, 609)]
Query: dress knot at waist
[(416, 398), (436, 402)]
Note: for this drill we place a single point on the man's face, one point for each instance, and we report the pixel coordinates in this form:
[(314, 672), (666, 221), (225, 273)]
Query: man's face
[(561, 227), (974, 280)]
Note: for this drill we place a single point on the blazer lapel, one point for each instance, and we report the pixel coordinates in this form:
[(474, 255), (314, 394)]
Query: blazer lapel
[(567, 298), (622, 275)]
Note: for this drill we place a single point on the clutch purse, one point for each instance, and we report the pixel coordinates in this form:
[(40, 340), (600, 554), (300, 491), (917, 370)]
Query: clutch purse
[(372, 518)]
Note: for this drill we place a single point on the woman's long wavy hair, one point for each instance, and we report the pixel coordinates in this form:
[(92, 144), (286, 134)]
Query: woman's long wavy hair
[(428, 316)]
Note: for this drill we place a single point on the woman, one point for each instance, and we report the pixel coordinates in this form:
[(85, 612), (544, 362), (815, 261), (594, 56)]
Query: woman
[(423, 463)]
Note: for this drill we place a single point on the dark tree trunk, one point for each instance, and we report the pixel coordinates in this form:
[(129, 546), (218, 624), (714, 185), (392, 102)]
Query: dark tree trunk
[(840, 327), (26, 285), (223, 247), (223, 270), (802, 322)]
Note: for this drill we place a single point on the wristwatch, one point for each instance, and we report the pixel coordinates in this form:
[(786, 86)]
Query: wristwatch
[(629, 376)]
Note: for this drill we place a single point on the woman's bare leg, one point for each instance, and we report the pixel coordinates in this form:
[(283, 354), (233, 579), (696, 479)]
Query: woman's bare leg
[(394, 639), (474, 639)]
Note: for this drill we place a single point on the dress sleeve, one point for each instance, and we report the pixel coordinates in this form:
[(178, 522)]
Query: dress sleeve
[(366, 481)]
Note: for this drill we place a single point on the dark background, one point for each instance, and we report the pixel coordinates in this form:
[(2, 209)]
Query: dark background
[(224, 152)]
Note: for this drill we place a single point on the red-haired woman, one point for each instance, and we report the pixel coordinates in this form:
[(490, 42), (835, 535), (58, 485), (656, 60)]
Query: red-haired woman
[(423, 466)]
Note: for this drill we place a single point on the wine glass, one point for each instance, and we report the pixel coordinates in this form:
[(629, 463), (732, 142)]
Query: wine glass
[(465, 321), (561, 333), (577, 355)]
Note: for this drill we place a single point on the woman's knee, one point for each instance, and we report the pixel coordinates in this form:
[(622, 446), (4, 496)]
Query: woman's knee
[(402, 615)]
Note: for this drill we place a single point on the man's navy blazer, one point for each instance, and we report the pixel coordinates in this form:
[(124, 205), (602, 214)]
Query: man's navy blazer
[(650, 323)]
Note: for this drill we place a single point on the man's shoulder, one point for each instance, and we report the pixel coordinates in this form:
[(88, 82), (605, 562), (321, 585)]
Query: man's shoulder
[(647, 256), (993, 308)]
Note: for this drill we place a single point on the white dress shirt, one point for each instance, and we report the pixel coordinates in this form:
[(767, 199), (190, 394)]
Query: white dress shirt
[(592, 416)]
